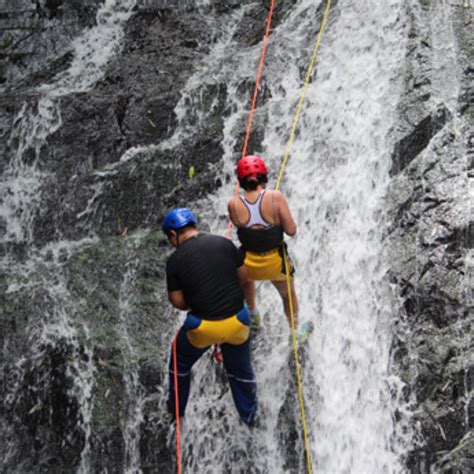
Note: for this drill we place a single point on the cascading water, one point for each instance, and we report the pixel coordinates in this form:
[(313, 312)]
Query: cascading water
[(351, 108), (53, 336), (57, 331), (135, 394), (40, 118), (335, 181)]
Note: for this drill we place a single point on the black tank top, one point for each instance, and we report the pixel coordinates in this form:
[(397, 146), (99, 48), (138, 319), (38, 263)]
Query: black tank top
[(263, 239), (260, 240)]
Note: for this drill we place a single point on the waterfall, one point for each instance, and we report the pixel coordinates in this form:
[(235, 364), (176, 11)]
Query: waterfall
[(57, 332), (52, 336), (41, 117), (335, 181), (85, 366)]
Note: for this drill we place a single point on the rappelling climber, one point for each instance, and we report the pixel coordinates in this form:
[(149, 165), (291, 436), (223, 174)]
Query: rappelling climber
[(262, 217), (204, 276)]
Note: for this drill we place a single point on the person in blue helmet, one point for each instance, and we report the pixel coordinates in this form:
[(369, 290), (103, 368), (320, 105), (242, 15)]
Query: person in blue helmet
[(204, 276)]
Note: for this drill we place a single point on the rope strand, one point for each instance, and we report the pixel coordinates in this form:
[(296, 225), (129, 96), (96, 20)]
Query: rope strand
[(176, 403), (280, 176), (303, 93), (229, 229), (254, 102), (259, 75)]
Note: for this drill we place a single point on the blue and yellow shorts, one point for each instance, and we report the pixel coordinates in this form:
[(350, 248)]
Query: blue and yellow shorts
[(203, 333), (267, 265)]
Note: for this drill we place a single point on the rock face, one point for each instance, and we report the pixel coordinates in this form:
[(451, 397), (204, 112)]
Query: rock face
[(432, 237), (35, 36), (84, 326)]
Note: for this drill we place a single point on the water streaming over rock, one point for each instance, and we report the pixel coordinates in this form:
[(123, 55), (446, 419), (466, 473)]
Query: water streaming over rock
[(335, 180), (58, 342), (89, 328), (40, 117)]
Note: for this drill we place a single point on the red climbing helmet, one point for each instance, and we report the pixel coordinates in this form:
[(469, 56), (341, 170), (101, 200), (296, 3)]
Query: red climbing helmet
[(251, 165)]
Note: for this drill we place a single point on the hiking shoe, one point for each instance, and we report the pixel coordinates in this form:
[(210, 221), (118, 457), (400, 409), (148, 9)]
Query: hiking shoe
[(255, 321), (303, 331), (254, 421)]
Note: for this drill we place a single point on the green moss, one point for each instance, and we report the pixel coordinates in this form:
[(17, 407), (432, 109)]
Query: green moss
[(6, 42), (458, 458)]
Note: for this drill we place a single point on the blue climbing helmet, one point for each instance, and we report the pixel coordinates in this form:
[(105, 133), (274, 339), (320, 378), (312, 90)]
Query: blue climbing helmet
[(177, 218)]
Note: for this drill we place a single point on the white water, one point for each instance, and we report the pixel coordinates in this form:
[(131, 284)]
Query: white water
[(335, 182), (349, 114), (20, 198), (44, 274), (20, 186), (59, 328), (135, 395), (446, 70)]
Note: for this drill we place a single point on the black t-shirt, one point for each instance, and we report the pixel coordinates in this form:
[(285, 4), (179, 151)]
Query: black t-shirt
[(205, 269)]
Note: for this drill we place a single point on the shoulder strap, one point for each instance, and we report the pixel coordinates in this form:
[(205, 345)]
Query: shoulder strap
[(259, 201), (255, 211)]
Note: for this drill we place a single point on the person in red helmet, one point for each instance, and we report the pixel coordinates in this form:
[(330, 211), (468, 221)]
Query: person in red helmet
[(262, 217)]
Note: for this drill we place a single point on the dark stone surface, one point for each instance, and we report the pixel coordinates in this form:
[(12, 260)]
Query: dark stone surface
[(35, 36), (410, 146), (45, 409), (430, 240)]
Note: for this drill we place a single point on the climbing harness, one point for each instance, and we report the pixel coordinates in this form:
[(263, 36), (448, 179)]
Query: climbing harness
[(217, 354)]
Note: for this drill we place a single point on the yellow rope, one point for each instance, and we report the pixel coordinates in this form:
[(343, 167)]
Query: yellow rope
[(303, 94), (288, 281), (298, 368)]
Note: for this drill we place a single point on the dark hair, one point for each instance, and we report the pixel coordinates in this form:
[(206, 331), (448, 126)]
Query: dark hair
[(250, 183), (181, 230)]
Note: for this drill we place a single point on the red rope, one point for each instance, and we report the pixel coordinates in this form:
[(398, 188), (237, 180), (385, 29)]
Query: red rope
[(176, 403), (259, 75), (229, 227), (254, 101)]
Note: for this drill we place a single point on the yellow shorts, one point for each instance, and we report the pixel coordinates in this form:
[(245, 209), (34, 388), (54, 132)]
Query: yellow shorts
[(203, 333), (267, 266)]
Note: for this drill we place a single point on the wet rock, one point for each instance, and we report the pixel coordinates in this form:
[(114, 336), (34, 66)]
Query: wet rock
[(410, 146), (33, 46), (430, 240), (63, 395), (460, 459), (108, 174), (45, 420), (104, 174)]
